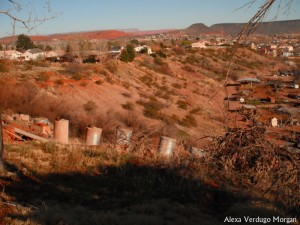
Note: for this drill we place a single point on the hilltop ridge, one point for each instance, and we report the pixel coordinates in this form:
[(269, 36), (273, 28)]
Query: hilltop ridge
[(266, 28)]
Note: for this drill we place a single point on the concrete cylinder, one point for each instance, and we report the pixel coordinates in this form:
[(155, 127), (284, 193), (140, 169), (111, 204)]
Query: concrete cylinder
[(274, 122), (93, 136), (124, 136), (166, 146), (61, 131)]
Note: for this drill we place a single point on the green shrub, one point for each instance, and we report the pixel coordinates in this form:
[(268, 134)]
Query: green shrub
[(111, 67), (127, 106), (84, 84), (99, 82), (43, 77), (159, 61), (176, 85), (188, 68), (161, 54), (188, 121), (152, 108), (4, 66), (59, 82), (90, 106), (182, 104)]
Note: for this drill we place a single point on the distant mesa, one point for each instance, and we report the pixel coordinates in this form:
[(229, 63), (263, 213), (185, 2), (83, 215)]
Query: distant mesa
[(99, 34), (266, 28), (200, 28), (102, 34)]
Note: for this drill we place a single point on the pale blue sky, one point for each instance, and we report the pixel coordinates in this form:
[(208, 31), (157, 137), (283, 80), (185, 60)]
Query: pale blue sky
[(85, 15)]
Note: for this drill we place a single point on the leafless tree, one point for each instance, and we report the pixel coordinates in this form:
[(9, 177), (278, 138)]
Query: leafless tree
[(13, 9), (29, 21), (283, 6)]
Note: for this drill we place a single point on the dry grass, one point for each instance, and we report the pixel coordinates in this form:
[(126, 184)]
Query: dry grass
[(100, 185), (52, 184)]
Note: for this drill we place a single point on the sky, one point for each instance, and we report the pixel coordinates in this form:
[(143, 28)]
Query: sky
[(88, 15)]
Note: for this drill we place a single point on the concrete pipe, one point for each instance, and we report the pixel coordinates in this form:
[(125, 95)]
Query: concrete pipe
[(166, 146), (61, 131), (93, 136)]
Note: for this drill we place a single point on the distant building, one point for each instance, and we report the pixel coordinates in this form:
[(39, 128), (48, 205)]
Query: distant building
[(273, 47), (34, 54), (11, 54), (286, 54), (53, 53), (201, 44), (253, 46), (140, 48), (115, 52)]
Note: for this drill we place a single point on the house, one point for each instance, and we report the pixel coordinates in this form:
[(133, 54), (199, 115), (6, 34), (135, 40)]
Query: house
[(288, 48), (140, 48), (53, 56), (200, 44), (273, 46), (53, 53), (115, 52), (11, 54), (253, 46), (68, 58), (248, 80), (287, 54), (34, 54)]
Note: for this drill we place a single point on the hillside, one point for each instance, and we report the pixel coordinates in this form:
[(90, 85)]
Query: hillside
[(266, 28), (106, 34), (176, 93), (200, 28), (182, 85)]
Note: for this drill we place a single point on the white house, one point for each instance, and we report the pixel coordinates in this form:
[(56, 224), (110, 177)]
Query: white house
[(253, 46), (115, 52), (33, 54), (11, 54), (140, 48), (54, 53), (200, 44), (286, 54), (273, 46)]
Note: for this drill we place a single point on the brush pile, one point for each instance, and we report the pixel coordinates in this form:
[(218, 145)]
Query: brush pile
[(245, 159)]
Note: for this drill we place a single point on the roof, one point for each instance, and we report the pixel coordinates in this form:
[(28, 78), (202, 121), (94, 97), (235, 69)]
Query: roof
[(35, 50), (249, 106), (248, 79), (293, 111)]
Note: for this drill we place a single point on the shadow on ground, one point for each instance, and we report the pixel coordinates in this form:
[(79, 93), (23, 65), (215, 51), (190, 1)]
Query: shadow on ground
[(126, 195)]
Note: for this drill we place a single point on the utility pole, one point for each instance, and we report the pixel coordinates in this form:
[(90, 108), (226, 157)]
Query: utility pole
[(13, 44)]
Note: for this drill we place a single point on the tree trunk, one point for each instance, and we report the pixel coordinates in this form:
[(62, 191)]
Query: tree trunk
[(1, 145)]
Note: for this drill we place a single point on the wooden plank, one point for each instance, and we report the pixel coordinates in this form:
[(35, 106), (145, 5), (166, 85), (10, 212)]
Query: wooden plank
[(15, 135), (30, 135)]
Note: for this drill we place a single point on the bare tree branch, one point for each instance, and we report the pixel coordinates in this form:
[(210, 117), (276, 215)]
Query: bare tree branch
[(15, 7), (250, 28)]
